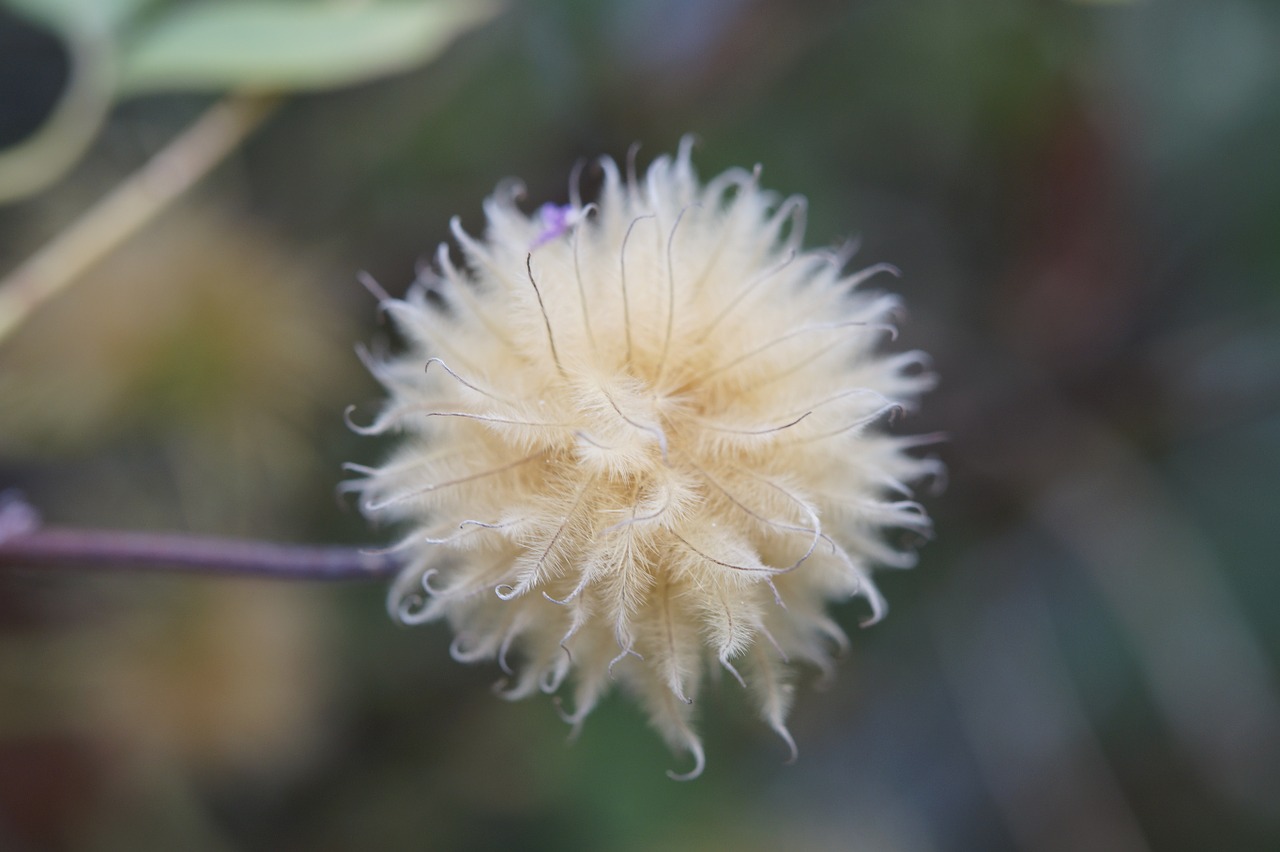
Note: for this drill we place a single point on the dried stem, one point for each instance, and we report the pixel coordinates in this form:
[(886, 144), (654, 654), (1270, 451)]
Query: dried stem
[(127, 551), (131, 205)]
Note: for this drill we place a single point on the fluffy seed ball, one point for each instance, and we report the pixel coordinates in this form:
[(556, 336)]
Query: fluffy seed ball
[(641, 441)]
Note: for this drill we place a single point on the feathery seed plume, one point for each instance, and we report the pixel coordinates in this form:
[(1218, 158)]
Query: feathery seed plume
[(641, 438)]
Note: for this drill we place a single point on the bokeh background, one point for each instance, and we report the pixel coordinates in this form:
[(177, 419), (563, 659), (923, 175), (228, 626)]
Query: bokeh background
[(1084, 199)]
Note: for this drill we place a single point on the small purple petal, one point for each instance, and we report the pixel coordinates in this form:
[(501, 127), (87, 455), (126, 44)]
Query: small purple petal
[(556, 220), (17, 516)]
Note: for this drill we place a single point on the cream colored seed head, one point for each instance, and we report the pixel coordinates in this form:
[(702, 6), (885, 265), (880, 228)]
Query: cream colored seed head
[(645, 444)]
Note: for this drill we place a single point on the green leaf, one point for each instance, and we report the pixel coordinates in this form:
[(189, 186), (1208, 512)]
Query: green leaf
[(275, 44), (77, 17)]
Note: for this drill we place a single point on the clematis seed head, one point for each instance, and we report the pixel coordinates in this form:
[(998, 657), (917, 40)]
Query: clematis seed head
[(643, 439)]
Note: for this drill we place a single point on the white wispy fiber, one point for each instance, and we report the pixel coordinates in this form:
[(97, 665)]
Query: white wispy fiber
[(643, 439)]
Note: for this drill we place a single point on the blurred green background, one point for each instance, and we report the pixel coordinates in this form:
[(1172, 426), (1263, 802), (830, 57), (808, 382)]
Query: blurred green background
[(1084, 199)]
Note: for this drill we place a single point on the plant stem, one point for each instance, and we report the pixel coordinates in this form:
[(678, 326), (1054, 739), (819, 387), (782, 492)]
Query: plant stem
[(32, 164), (107, 549), (131, 205)]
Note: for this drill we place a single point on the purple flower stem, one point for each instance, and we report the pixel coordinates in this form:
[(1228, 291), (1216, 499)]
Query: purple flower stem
[(129, 551)]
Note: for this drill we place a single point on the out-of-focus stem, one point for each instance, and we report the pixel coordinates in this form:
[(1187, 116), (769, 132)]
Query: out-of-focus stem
[(131, 205), (126, 551), (31, 165)]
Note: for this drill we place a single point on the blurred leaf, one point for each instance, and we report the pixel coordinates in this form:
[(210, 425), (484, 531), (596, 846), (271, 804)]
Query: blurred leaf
[(290, 45), (78, 16)]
